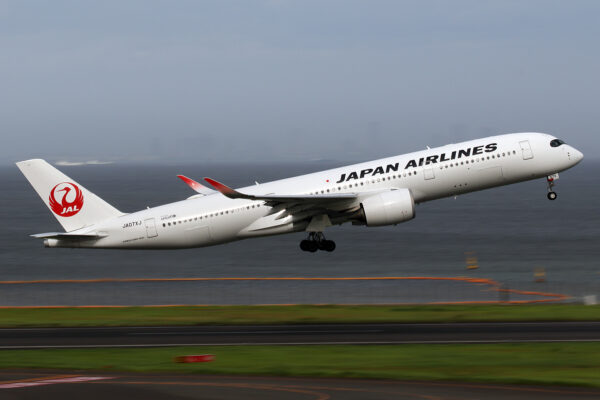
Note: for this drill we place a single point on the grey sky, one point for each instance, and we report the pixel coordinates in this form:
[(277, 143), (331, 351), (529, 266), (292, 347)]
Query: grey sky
[(290, 80)]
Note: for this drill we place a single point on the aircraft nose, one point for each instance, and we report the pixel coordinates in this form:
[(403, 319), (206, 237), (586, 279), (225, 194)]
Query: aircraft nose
[(576, 155)]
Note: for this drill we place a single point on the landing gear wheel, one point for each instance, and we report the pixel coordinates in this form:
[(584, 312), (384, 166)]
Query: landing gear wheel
[(308, 245), (304, 245), (316, 241), (551, 180), (328, 245)]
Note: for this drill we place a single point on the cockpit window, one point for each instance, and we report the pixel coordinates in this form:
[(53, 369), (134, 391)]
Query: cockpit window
[(556, 143)]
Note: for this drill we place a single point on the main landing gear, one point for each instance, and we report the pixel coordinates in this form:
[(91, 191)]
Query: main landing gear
[(550, 179), (316, 241)]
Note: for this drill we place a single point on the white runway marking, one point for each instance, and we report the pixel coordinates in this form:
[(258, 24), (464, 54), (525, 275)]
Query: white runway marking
[(42, 382)]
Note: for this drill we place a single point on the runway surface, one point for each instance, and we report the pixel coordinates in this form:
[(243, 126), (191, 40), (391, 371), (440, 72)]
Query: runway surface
[(300, 334), (25, 385)]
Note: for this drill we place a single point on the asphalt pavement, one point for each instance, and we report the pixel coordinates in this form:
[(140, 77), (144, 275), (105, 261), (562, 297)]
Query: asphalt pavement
[(300, 334), (59, 385)]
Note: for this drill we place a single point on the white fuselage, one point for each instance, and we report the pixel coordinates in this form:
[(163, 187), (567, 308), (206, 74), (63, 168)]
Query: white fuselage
[(429, 174)]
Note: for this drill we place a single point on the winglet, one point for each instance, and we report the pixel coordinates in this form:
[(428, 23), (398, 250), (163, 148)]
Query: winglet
[(226, 190), (197, 186)]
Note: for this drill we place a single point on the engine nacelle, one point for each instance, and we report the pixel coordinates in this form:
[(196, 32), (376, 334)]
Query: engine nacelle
[(388, 208)]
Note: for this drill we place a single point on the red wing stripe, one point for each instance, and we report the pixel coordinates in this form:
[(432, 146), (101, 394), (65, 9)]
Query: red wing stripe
[(191, 183), (226, 190)]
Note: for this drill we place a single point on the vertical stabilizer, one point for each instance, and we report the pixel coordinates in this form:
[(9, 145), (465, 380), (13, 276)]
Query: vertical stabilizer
[(74, 206)]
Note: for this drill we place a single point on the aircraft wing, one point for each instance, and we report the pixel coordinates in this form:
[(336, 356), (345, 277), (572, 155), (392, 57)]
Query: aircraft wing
[(316, 199), (197, 186), (325, 208)]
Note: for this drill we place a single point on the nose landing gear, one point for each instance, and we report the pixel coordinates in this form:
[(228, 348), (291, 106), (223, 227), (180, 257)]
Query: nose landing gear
[(316, 241), (550, 179)]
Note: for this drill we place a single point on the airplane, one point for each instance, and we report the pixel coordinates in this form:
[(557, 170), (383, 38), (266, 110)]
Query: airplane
[(375, 193)]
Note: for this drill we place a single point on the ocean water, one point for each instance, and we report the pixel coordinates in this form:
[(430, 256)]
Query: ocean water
[(510, 230)]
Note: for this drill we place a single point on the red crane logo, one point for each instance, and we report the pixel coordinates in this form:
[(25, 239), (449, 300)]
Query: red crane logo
[(70, 203)]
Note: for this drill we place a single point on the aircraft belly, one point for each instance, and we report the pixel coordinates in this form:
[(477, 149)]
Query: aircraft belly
[(198, 236), (454, 181), (484, 177), (230, 228)]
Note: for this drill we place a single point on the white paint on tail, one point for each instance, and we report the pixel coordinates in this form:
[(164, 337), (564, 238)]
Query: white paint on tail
[(74, 206)]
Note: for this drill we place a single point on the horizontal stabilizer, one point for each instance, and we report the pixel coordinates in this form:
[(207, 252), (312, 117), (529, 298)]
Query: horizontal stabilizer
[(72, 236), (197, 186)]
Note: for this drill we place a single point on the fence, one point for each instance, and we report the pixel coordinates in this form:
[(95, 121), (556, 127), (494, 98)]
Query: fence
[(240, 291)]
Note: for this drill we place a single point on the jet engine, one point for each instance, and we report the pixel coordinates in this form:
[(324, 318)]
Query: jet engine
[(388, 208)]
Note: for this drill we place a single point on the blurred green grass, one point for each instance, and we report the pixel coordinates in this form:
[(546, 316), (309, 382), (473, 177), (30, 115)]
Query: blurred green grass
[(294, 314), (531, 363)]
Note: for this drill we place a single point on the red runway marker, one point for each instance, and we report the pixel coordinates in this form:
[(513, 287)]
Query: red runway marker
[(196, 358)]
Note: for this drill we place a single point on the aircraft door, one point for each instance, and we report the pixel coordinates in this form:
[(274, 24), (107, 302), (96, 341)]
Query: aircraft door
[(526, 149), (428, 173), (151, 228)]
